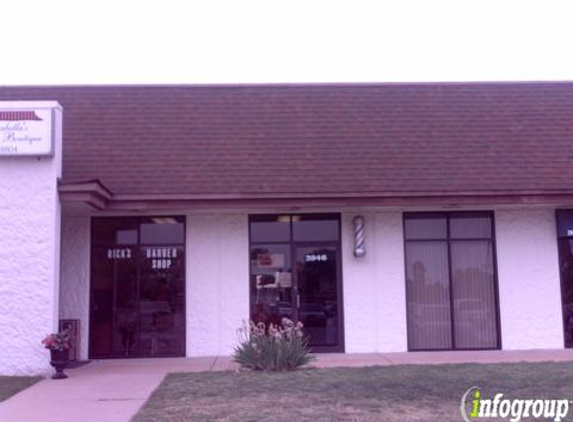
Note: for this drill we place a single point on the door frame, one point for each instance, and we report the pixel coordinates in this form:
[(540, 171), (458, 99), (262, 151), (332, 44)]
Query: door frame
[(340, 347)]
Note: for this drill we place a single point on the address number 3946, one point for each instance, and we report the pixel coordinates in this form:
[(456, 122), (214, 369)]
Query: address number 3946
[(316, 258)]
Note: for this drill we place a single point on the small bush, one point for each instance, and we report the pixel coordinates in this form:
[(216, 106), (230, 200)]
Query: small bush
[(275, 348)]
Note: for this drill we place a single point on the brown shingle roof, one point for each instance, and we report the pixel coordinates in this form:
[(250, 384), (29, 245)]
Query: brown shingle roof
[(293, 139)]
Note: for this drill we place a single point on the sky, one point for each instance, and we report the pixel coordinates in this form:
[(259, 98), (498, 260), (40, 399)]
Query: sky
[(292, 41)]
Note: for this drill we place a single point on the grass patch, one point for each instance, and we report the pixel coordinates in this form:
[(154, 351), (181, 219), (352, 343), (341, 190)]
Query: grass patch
[(410, 393), (12, 385)]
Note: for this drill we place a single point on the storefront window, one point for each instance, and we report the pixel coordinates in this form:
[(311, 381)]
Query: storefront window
[(137, 287), (270, 228), (315, 228), (451, 281)]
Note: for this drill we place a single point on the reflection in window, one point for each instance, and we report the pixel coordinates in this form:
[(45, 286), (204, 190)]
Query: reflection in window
[(315, 228), (137, 287), (471, 227), (450, 281), (428, 295), (171, 233), (126, 237), (474, 294), (426, 228), (270, 228), (295, 274), (271, 283), (114, 231)]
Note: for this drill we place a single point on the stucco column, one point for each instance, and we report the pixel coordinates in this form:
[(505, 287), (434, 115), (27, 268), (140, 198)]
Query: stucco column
[(374, 285), (529, 285), (29, 234)]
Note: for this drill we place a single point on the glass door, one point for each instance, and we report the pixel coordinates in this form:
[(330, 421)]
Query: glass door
[(272, 287), (317, 294), (296, 273)]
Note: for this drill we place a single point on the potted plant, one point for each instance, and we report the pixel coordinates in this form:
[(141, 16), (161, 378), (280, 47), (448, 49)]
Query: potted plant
[(58, 344)]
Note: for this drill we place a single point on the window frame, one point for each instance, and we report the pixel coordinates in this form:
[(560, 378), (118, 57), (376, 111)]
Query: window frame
[(448, 215), (138, 245)]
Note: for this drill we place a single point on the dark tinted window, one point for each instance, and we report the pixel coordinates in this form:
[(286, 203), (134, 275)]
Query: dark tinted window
[(162, 231), (450, 281), (428, 293), (114, 231), (431, 227), (473, 294), (564, 223), (566, 261), (270, 228), (311, 228), (478, 227), (137, 287)]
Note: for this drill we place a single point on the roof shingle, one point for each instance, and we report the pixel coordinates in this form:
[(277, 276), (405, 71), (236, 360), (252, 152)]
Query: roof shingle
[(289, 139)]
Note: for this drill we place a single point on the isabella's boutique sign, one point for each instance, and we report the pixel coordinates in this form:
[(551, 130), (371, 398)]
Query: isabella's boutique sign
[(26, 132)]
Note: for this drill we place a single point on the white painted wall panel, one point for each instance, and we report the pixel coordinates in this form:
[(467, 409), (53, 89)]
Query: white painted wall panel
[(29, 256), (360, 286), (217, 282), (234, 304), (374, 286), (392, 330), (529, 285), (75, 275)]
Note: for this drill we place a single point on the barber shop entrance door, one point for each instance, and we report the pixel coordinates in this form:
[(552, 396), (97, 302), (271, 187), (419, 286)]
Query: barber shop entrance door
[(137, 300)]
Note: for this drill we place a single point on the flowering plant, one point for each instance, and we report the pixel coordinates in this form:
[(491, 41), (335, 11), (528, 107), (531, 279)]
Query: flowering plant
[(273, 348), (58, 341)]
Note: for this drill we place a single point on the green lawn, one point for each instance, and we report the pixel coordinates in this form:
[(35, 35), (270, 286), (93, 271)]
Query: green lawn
[(417, 393), (12, 385)]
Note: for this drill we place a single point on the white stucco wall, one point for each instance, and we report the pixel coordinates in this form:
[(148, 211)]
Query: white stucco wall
[(374, 295), (218, 276), (217, 282), (374, 286), (29, 256), (217, 296), (528, 272), (529, 285), (75, 275)]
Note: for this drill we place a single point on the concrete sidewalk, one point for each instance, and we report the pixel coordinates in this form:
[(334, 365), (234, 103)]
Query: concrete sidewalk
[(114, 390)]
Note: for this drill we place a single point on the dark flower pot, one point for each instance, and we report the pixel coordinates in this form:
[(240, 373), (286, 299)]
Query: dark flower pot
[(59, 360)]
